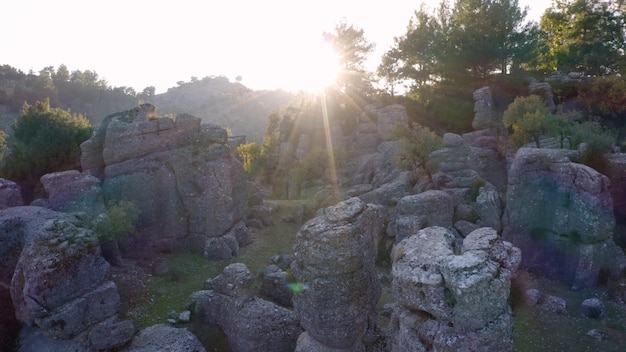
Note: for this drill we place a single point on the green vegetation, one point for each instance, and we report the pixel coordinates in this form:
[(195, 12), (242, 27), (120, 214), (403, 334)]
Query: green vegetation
[(119, 221), (529, 119), (418, 143), (45, 140), (3, 143)]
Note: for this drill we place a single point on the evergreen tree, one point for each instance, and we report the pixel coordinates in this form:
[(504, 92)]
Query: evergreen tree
[(45, 140)]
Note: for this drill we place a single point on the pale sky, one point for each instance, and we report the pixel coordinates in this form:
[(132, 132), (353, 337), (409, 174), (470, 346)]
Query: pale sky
[(140, 43)]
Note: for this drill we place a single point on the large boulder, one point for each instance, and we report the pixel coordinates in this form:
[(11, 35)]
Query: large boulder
[(18, 225), (60, 285), (434, 206), (334, 263), (251, 324), (10, 195), (560, 214), (163, 337), (181, 174), (70, 191), (486, 116), (445, 291)]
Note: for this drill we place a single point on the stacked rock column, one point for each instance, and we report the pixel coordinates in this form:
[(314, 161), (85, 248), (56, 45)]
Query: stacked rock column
[(452, 297), (335, 265)]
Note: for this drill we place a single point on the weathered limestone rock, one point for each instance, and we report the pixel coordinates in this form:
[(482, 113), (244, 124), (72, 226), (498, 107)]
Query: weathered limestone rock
[(275, 286), (10, 195), (484, 108), (334, 261), (544, 90), (435, 207), (389, 118), (251, 324), (70, 191), (451, 298), (60, 283), (163, 337), (560, 214), (180, 173)]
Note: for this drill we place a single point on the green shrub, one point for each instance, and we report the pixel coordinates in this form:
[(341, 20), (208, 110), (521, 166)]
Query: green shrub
[(118, 221), (528, 118), (418, 143)]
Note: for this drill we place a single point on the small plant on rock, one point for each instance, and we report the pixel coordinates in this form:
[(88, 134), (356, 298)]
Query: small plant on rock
[(418, 142)]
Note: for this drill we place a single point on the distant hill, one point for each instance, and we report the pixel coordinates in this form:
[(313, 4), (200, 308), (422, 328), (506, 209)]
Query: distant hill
[(228, 104), (214, 99)]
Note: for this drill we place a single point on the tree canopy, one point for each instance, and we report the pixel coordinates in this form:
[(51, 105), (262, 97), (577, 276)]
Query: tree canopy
[(45, 140)]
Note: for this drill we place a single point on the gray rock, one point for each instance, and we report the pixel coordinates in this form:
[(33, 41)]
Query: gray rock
[(389, 118), (532, 297), (251, 324), (111, 333), (465, 227), (593, 308), (560, 214), (485, 115), (489, 207), (435, 206), (10, 195), (275, 286), (196, 185), (163, 337), (444, 292), (553, 304), (335, 255), (70, 191), (404, 226)]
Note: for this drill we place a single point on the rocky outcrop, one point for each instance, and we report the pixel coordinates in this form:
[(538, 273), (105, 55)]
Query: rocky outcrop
[(334, 263), (17, 226), (163, 337), (560, 214), (70, 191), (485, 114), (452, 296), (60, 284), (251, 324), (10, 195), (181, 174)]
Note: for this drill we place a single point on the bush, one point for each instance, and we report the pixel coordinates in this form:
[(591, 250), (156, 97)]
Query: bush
[(45, 140), (528, 118), (418, 143), (118, 222)]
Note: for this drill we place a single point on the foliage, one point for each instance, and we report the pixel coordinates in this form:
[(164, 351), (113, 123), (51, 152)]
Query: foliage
[(352, 47), (45, 140), (118, 222), (464, 43), (585, 36), (315, 164), (598, 141), (529, 119), (605, 97), (418, 143), (3, 143), (79, 91), (248, 153)]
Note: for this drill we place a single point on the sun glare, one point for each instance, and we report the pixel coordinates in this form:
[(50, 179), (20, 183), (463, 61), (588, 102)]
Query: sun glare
[(318, 69)]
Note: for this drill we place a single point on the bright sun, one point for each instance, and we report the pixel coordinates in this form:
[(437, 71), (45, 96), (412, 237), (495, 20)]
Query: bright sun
[(317, 68)]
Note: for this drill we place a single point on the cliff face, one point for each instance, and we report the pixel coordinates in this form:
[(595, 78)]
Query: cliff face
[(180, 173)]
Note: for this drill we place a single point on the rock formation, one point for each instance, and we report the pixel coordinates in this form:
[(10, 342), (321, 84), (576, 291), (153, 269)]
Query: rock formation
[(452, 296), (334, 262), (59, 286), (181, 174), (10, 195), (560, 214), (162, 337), (251, 324), (70, 191)]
